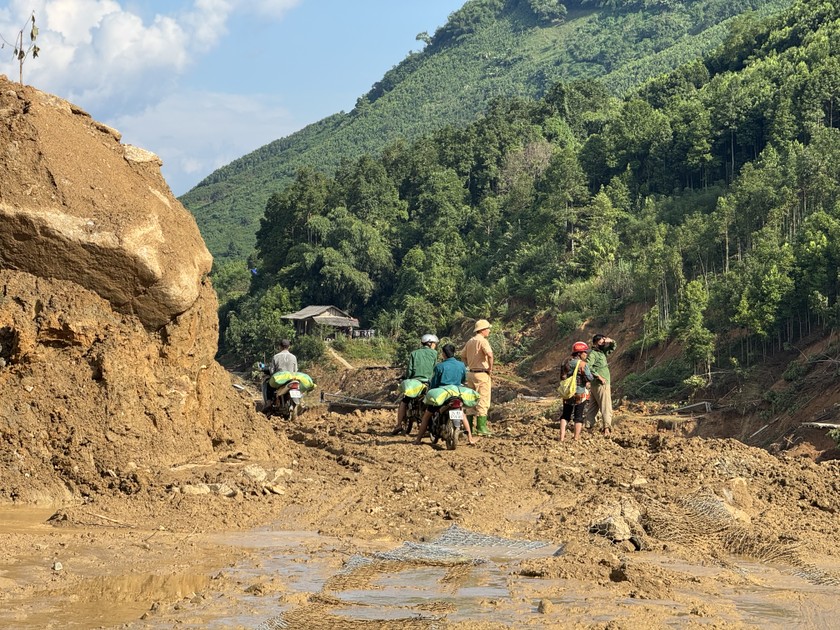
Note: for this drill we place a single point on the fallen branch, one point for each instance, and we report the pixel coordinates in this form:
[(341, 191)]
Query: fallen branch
[(821, 425), (105, 518)]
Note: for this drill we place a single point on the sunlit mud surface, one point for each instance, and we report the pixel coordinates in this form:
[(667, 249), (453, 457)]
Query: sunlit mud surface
[(299, 579), (285, 579)]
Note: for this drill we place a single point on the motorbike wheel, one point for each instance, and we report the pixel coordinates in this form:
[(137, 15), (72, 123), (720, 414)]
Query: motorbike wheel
[(410, 418), (434, 428), (293, 413), (450, 436)]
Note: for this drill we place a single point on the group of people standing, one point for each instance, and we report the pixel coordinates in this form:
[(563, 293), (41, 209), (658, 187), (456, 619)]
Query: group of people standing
[(593, 393), (589, 363), (474, 372)]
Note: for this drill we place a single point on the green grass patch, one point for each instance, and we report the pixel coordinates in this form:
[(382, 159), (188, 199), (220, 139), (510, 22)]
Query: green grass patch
[(380, 350)]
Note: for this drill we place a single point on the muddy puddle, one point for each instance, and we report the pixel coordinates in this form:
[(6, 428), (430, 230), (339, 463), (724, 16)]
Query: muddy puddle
[(300, 579), (276, 579)]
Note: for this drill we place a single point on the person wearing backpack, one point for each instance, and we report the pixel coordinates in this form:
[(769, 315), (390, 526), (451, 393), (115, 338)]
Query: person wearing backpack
[(574, 407)]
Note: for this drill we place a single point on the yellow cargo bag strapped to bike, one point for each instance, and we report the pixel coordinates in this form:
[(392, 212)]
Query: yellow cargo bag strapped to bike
[(306, 382), (411, 387), (278, 379), (439, 395), (469, 396)]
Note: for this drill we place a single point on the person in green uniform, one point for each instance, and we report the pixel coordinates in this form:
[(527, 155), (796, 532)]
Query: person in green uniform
[(421, 366), (601, 398)]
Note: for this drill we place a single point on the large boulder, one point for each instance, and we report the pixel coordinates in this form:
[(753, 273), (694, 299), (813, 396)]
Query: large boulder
[(77, 205), (108, 323)]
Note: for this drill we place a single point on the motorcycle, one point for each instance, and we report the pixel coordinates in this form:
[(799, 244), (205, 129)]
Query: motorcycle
[(447, 422), (283, 401)]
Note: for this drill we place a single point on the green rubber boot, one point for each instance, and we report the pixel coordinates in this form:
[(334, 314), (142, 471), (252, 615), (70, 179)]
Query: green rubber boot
[(481, 426)]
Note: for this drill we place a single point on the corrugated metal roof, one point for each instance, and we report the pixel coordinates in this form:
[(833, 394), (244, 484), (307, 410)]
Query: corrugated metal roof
[(314, 311), (332, 320)]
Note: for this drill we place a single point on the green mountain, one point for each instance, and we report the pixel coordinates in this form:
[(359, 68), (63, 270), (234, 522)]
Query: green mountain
[(487, 49), (708, 201)]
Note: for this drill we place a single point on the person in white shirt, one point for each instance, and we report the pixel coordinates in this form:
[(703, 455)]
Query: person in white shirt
[(284, 361)]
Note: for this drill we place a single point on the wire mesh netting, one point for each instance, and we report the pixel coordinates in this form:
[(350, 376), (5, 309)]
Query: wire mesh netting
[(704, 522), (454, 546)]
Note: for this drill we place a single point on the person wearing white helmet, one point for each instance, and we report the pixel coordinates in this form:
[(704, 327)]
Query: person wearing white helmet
[(478, 355), (421, 366)]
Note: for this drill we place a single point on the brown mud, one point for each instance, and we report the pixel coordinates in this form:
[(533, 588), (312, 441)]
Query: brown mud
[(646, 528)]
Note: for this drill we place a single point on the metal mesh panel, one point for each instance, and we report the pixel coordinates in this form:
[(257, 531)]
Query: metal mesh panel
[(701, 521), (447, 549)]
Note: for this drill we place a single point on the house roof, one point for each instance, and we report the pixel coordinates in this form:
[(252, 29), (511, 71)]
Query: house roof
[(326, 315), (315, 311), (340, 322)]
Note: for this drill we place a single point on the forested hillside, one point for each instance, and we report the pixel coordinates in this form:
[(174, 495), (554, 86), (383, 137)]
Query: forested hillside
[(712, 195), (487, 49)]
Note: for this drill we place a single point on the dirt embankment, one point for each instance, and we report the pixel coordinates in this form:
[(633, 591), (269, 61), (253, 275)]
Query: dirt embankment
[(108, 325)]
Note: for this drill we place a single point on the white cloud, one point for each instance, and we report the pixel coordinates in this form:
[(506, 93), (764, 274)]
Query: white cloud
[(105, 57), (271, 8), (208, 22), (194, 133), (75, 20)]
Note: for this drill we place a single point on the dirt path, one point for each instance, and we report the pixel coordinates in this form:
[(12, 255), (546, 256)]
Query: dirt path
[(691, 505)]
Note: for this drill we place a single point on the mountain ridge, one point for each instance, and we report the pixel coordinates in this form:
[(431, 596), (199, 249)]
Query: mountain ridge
[(409, 101)]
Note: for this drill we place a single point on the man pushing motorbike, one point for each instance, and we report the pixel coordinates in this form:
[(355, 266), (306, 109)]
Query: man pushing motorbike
[(450, 371), (421, 365)]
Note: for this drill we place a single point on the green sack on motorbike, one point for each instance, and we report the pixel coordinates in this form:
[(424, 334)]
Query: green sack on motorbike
[(439, 395), (306, 382), (278, 379), (469, 396), (412, 387)]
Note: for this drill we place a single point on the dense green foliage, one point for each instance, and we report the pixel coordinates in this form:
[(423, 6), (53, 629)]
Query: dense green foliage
[(712, 194), (487, 49)]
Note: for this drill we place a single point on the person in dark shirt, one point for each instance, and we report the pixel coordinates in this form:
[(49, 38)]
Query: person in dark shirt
[(574, 407), (450, 371)]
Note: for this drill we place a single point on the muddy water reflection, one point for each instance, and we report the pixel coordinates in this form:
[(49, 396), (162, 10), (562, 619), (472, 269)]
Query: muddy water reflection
[(315, 576), (19, 520), (301, 579), (76, 577), (319, 592)]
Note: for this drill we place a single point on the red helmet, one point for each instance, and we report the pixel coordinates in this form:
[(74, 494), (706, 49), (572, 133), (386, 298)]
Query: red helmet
[(580, 347)]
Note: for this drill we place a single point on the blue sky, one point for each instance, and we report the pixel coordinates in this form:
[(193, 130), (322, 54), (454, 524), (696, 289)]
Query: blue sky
[(203, 82)]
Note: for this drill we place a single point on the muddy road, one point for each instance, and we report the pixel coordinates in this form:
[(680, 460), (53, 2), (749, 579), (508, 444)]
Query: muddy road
[(348, 526)]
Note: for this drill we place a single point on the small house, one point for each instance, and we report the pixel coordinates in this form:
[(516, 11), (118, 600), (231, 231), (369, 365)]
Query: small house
[(306, 320)]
